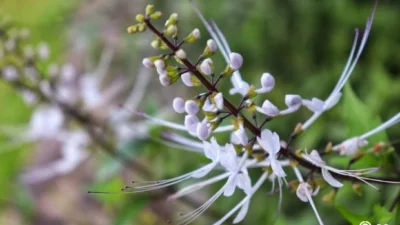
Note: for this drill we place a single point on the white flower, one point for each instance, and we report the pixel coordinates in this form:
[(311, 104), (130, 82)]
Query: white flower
[(267, 83), (191, 122), (10, 73), (268, 109), (29, 97), (43, 51), (179, 105), (316, 159), (208, 106), (46, 122), (68, 72), (164, 80), (191, 107), (236, 60), (147, 63), (203, 130), (241, 87), (304, 193), (315, 105), (207, 67), (270, 142), (211, 45), (350, 146), (293, 102), (187, 79), (219, 101), (90, 91), (181, 54), (239, 136)]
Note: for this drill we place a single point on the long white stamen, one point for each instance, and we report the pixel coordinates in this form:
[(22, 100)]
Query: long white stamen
[(105, 62), (139, 89), (392, 121), (194, 187), (256, 186), (183, 140), (310, 200), (178, 126)]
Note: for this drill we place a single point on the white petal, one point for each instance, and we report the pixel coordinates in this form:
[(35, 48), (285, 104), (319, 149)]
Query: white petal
[(332, 100), (315, 105), (244, 182), (206, 67), (293, 101), (204, 170), (302, 190), (164, 80), (330, 179), (191, 124), (208, 106), (242, 213), (147, 63), (228, 157), (276, 167), (187, 79), (267, 83), (219, 100), (241, 136), (230, 186)]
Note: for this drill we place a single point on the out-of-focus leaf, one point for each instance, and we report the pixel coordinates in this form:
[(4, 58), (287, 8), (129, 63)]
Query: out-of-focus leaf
[(358, 117), (354, 219), (131, 211), (382, 215)]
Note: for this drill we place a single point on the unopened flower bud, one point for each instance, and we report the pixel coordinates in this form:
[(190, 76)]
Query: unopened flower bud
[(179, 105), (171, 30), (43, 51), (267, 83), (149, 10), (132, 29), (315, 105), (156, 43), (147, 63), (173, 19), (236, 60), (268, 109), (190, 123), (219, 101), (212, 46), (156, 15), (187, 79), (159, 64), (10, 73), (140, 18), (181, 54), (191, 107), (293, 101), (192, 37), (207, 67), (164, 80), (203, 130)]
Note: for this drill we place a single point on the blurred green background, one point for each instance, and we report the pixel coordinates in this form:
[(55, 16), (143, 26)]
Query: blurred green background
[(304, 44)]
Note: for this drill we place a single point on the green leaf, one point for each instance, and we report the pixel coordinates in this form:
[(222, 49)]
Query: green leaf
[(358, 116), (354, 219), (382, 215)]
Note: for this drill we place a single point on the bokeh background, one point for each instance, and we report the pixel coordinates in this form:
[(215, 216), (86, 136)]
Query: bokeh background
[(304, 44)]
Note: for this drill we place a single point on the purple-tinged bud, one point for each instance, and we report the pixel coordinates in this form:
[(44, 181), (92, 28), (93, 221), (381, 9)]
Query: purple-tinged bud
[(164, 80), (147, 63), (203, 130), (190, 123), (207, 67), (293, 101), (187, 79), (181, 54), (10, 73), (191, 107), (236, 60), (267, 83), (268, 109), (179, 105), (212, 46)]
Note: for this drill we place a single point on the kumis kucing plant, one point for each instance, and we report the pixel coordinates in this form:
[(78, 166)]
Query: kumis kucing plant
[(252, 144)]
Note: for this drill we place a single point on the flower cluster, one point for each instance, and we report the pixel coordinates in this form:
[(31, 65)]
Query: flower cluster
[(251, 144), (69, 107)]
